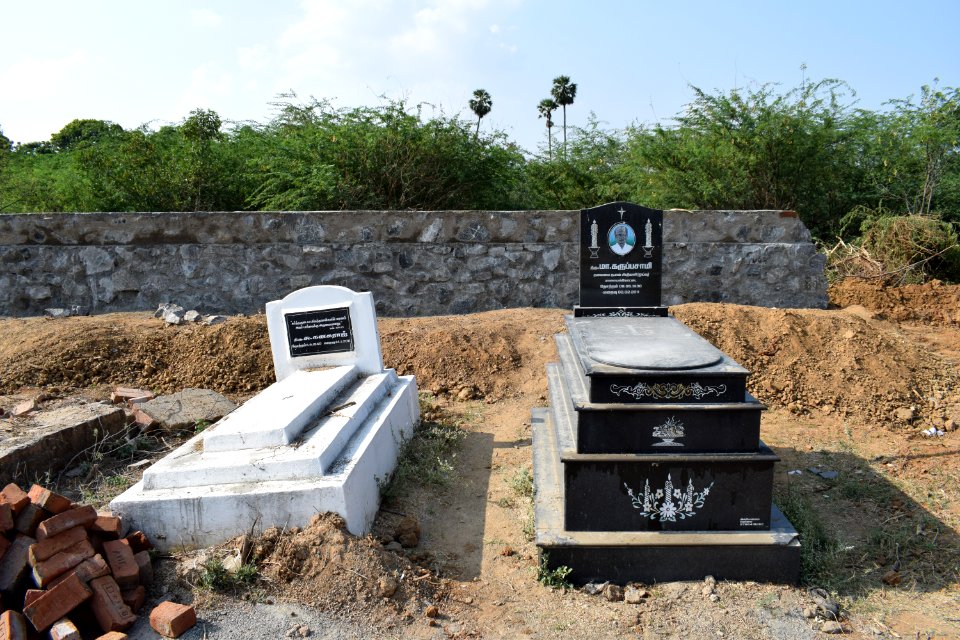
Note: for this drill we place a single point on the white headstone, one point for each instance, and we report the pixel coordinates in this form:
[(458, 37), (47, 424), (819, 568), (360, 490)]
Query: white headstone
[(324, 326)]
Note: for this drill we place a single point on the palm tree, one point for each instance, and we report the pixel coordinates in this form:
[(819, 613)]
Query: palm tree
[(546, 108), (481, 103), (564, 92)]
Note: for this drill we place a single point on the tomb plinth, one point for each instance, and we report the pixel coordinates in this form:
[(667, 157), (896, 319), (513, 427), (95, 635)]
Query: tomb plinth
[(648, 464), (321, 438)]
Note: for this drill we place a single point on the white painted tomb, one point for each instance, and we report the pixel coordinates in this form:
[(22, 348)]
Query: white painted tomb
[(321, 438)]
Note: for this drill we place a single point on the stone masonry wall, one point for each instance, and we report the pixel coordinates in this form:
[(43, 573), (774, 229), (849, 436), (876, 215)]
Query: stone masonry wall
[(414, 262)]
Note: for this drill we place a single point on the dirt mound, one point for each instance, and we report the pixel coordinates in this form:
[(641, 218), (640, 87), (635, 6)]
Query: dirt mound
[(484, 355), (807, 360), (933, 302), (134, 348), (325, 566), (492, 355), (817, 361)]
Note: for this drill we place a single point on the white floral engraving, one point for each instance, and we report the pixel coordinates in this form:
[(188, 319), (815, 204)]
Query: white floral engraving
[(668, 432), (623, 313), (668, 504), (669, 390)]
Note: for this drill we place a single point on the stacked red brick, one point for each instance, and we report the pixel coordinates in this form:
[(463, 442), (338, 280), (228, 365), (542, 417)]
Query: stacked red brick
[(64, 565)]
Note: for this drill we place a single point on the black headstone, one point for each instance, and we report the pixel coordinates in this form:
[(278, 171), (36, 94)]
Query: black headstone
[(621, 252), (311, 333)]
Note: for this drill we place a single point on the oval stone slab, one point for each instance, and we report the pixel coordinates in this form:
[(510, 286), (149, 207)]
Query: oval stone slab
[(645, 343)]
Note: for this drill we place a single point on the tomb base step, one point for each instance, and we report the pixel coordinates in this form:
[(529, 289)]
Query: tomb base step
[(209, 514), (650, 556), (650, 428)]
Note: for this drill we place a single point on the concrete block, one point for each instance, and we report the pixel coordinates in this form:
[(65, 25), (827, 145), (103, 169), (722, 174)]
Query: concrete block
[(184, 409)]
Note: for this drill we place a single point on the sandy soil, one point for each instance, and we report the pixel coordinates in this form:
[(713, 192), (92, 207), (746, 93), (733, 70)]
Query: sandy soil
[(849, 389)]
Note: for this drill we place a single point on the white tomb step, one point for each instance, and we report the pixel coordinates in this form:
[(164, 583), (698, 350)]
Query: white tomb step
[(278, 415), (209, 514), (309, 455)]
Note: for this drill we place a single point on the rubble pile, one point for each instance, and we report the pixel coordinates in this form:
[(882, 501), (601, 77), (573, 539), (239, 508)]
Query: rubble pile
[(69, 569)]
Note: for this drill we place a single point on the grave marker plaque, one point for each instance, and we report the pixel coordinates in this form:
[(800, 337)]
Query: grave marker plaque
[(621, 252), (312, 333)]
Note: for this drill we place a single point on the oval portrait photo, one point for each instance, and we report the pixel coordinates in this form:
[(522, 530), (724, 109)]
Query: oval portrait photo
[(621, 238)]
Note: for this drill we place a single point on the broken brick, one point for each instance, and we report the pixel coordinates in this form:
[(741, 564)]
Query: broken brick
[(54, 545), (14, 564), (58, 564), (170, 619), (30, 519), (122, 564), (123, 395), (145, 565), (139, 542), (63, 629), (57, 602), (16, 497), (31, 596), (142, 418), (23, 408), (108, 606), (6, 517), (107, 526), (79, 517), (52, 502), (134, 598), (87, 570), (112, 635), (13, 626)]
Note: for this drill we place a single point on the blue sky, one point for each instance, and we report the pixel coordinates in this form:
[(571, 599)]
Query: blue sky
[(153, 62)]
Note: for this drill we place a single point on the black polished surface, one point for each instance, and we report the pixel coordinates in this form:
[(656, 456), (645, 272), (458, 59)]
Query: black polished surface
[(621, 253)]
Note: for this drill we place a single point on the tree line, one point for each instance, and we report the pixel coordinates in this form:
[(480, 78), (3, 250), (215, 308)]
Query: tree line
[(807, 148)]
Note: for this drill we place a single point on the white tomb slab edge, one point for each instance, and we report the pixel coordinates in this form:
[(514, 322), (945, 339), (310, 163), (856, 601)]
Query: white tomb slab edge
[(324, 437)]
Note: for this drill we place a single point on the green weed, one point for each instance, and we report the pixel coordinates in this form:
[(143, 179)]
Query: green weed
[(553, 578), (522, 482), (427, 458), (820, 551), (216, 577)]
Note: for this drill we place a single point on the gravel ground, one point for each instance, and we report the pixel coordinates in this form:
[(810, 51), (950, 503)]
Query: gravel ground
[(247, 621)]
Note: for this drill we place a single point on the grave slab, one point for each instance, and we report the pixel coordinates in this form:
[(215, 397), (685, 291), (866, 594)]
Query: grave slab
[(644, 360), (322, 438), (648, 464)]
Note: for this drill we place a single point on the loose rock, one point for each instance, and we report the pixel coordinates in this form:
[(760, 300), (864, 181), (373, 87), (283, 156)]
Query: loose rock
[(387, 586), (831, 626), (892, 578), (613, 592), (407, 532), (905, 414), (634, 595)]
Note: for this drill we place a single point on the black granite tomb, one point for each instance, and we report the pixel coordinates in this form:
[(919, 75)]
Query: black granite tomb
[(648, 464)]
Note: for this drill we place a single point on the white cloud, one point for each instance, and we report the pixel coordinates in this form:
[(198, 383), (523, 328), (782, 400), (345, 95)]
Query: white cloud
[(205, 18), (41, 78), (209, 85), (255, 58)]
